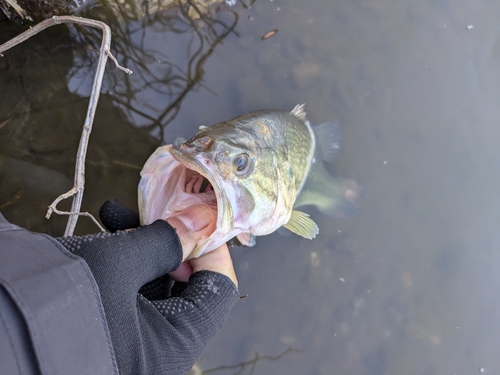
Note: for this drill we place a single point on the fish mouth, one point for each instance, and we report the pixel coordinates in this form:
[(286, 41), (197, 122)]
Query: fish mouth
[(224, 209), (171, 182)]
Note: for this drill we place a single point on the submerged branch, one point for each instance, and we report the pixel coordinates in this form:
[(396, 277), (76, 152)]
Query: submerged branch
[(79, 181), (243, 365)]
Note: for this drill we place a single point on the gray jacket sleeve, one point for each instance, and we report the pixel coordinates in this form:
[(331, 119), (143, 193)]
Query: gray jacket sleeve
[(51, 317)]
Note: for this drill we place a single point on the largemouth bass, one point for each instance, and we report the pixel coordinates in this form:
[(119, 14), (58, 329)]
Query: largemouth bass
[(260, 167)]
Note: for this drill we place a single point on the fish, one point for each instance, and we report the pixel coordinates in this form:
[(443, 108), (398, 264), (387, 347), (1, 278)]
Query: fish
[(255, 171)]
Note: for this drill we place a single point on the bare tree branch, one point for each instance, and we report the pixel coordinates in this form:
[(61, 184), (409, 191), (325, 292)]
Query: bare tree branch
[(79, 181)]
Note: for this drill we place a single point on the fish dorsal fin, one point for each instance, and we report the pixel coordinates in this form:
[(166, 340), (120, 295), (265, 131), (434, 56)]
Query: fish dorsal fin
[(328, 136), (299, 112), (301, 224), (246, 239)]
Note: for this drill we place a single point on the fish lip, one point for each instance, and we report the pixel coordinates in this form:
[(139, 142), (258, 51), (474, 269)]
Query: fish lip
[(224, 210)]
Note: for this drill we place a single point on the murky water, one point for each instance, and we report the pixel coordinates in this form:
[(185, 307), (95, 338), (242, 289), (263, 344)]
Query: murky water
[(409, 284)]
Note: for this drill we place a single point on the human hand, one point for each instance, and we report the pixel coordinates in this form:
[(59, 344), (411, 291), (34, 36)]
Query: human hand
[(218, 260), (193, 224), (144, 326)]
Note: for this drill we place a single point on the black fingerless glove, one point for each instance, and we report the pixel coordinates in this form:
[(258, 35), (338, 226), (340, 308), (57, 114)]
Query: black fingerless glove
[(153, 334), (116, 216)]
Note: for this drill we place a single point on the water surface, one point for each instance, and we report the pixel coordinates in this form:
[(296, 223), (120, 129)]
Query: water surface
[(409, 284)]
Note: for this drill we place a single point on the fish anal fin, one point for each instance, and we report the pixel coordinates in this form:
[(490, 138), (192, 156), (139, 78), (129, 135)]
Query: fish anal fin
[(328, 136), (246, 239), (300, 223)]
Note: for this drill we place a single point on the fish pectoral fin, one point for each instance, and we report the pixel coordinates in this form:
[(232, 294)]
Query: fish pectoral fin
[(301, 224), (328, 136), (246, 239)]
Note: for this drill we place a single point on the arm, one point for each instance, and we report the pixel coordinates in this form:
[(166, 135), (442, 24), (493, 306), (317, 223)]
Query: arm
[(159, 335)]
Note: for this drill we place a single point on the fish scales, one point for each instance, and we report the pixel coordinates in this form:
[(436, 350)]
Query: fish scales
[(295, 140)]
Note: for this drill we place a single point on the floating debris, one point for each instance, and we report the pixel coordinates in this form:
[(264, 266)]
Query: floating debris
[(269, 34), (470, 27), (314, 259)]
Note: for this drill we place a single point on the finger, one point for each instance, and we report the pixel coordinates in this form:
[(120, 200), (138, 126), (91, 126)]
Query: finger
[(116, 216), (192, 225), (182, 273), (218, 260)]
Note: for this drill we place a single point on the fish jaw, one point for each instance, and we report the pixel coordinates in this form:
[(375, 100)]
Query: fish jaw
[(153, 192), (162, 193)]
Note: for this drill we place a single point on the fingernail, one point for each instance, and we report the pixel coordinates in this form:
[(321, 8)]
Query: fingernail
[(195, 217)]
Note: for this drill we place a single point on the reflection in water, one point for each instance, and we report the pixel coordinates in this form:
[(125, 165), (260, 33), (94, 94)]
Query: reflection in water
[(147, 40), (35, 134)]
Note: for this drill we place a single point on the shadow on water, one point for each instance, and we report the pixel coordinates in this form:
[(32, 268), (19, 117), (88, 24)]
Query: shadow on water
[(45, 82), (409, 284), (166, 46)]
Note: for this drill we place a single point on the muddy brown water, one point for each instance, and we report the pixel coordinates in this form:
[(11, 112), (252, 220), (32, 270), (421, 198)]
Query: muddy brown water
[(410, 283)]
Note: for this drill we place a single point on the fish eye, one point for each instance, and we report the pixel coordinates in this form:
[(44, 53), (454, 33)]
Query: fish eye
[(241, 163)]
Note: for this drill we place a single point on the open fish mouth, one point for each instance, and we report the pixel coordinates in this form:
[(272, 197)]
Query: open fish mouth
[(223, 205), (173, 180)]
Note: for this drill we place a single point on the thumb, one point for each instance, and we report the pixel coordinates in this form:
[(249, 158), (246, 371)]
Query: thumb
[(192, 225), (218, 260)]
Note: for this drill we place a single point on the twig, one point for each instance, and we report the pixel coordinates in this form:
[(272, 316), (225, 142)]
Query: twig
[(126, 70), (252, 363), (53, 208), (79, 182)]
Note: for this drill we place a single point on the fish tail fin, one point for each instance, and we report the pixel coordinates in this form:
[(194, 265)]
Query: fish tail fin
[(343, 198)]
